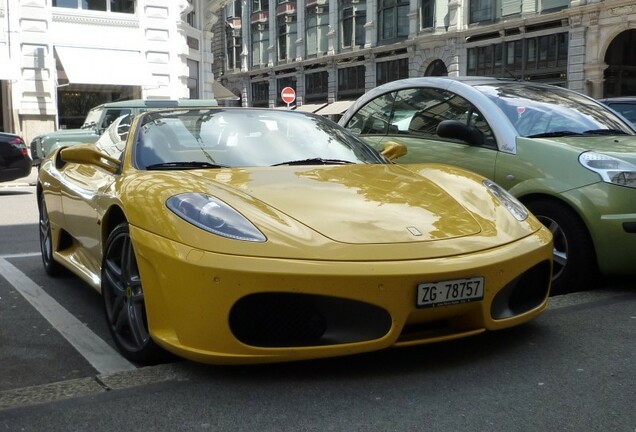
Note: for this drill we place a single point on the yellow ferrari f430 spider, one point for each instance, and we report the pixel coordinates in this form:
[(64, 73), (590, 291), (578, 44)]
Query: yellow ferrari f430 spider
[(236, 235)]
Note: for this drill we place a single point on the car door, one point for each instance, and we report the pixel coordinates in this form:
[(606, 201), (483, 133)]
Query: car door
[(84, 189), (411, 116)]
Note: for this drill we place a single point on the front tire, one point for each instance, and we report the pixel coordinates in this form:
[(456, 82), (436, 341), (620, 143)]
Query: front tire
[(574, 267), (51, 267), (123, 297)]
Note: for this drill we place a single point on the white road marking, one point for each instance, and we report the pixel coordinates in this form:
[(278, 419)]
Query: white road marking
[(98, 353), (22, 255)]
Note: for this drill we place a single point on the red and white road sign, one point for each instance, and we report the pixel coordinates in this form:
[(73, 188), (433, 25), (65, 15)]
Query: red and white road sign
[(288, 95)]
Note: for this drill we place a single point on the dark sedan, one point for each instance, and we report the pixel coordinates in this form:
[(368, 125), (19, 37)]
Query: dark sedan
[(626, 106), (15, 161)]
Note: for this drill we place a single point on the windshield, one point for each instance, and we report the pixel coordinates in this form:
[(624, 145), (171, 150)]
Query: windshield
[(535, 110), (209, 138), (92, 118)]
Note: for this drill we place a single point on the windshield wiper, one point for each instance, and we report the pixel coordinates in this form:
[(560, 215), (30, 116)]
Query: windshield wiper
[(571, 133), (315, 161), (604, 132), (184, 165), (555, 134)]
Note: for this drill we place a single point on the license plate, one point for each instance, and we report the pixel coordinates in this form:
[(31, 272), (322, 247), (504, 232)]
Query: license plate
[(450, 292)]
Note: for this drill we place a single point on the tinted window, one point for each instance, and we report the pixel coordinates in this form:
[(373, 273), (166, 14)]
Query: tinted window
[(417, 112), (112, 115), (374, 117)]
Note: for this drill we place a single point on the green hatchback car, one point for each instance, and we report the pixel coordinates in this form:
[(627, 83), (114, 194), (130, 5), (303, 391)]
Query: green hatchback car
[(568, 158)]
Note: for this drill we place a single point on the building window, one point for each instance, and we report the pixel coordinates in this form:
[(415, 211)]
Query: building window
[(482, 10), (392, 70), (286, 37), (546, 58), (192, 16), (514, 57), (234, 43), (351, 82), (353, 16), (234, 9), (542, 58), (260, 94), (427, 14), (193, 78), (316, 86), (554, 5), (393, 19), (120, 6), (233, 40), (317, 24), (260, 5), (260, 42)]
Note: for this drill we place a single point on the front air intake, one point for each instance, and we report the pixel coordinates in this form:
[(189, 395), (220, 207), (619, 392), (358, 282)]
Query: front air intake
[(295, 320), (524, 293)]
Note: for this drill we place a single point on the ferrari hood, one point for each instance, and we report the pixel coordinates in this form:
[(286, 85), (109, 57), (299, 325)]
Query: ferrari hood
[(357, 204)]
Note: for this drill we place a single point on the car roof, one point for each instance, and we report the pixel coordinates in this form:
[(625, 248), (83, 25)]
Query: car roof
[(630, 99), (159, 103), (9, 135)]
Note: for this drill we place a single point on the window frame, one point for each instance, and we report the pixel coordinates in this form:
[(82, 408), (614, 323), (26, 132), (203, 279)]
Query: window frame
[(79, 5)]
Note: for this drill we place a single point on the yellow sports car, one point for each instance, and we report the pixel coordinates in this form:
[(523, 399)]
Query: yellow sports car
[(237, 235)]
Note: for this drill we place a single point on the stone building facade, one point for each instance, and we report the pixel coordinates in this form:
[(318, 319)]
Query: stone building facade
[(329, 50), (59, 58)]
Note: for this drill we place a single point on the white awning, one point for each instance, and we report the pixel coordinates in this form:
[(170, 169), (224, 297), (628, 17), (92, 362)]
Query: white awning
[(222, 93), (338, 107), (7, 71), (103, 66), (310, 108)]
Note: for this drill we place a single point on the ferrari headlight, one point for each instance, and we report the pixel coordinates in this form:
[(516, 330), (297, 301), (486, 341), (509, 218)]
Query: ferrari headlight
[(215, 216), (518, 210), (611, 169)]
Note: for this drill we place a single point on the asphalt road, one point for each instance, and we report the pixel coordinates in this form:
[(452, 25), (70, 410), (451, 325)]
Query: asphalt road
[(571, 369)]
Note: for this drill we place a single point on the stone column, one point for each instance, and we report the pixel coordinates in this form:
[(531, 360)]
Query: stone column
[(595, 79)]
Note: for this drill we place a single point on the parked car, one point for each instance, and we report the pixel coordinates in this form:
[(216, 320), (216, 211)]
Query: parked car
[(626, 106), (567, 157), (234, 235), (15, 162), (98, 119)]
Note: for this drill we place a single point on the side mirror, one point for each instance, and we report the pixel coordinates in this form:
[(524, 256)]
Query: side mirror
[(393, 150), (88, 154), (454, 129)]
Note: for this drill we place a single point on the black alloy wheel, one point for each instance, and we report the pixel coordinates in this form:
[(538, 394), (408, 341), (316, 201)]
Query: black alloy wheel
[(574, 266), (123, 297), (51, 267)]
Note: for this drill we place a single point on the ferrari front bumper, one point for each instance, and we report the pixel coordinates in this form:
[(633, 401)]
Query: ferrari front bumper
[(218, 308)]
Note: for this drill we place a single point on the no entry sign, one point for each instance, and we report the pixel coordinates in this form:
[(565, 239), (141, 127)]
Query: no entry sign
[(288, 95)]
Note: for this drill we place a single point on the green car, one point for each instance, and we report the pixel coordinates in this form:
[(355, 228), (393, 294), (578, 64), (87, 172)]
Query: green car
[(568, 158)]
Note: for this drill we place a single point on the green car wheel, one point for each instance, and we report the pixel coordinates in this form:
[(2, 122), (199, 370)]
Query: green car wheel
[(574, 267)]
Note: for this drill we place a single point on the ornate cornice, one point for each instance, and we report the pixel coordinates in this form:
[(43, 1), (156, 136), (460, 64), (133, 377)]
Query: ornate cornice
[(623, 10), (86, 19)]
